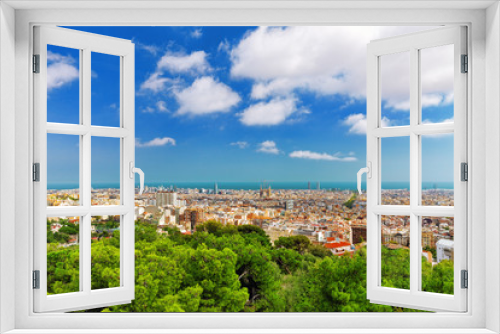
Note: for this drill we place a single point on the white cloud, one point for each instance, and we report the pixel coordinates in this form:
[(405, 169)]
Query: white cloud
[(148, 110), (197, 33), (240, 144), (60, 70), (195, 62), (273, 112), (161, 106), (268, 146), (156, 142), (153, 49), (448, 120), (174, 63), (331, 60), (357, 123), (320, 156), (224, 46), (59, 58), (156, 82), (206, 96)]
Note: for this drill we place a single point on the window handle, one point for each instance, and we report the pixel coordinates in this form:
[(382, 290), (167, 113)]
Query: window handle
[(139, 171), (368, 171)]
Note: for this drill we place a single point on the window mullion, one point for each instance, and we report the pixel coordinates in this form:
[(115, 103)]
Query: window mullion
[(414, 171), (86, 179)]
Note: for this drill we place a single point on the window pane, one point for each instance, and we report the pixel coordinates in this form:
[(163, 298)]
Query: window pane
[(395, 89), (395, 232), (437, 170), (63, 85), (63, 255), (63, 170), (105, 171), (437, 254), (395, 168), (105, 260), (437, 74), (105, 90)]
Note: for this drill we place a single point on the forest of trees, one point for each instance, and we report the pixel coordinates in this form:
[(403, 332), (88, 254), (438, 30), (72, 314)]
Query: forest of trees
[(237, 269)]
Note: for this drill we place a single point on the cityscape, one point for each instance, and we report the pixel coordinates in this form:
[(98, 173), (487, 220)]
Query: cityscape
[(329, 223), (334, 219)]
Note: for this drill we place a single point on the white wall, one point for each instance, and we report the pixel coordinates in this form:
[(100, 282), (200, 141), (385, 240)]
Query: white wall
[(492, 163), (7, 160)]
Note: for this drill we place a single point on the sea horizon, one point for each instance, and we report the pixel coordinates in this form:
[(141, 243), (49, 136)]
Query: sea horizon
[(300, 185)]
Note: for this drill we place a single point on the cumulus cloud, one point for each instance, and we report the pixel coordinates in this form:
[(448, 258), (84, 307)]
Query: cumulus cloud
[(161, 106), (320, 156), (240, 144), (60, 70), (268, 146), (156, 82), (224, 46), (329, 61), (153, 49), (156, 142), (273, 112), (357, 123), (197, 33), (195, 62), (148, 110), (206, 96)]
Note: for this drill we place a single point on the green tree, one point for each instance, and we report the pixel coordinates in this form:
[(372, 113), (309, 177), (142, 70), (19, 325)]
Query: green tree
[(299, 243)]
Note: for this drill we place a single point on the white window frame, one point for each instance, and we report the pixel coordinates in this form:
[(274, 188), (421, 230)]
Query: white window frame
[(413, 44), (85, 44), (484, 50)]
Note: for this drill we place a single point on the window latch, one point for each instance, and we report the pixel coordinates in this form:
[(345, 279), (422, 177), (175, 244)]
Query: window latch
[(132, 171), (368, 171)]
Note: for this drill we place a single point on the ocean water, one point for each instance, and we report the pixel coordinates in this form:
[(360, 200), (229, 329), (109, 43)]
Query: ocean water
[(257, 185)]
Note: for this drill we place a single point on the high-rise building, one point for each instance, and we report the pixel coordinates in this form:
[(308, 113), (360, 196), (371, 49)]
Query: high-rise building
[(309, 185), (166, 198), (289, 205), (318, 186), (216, 188)]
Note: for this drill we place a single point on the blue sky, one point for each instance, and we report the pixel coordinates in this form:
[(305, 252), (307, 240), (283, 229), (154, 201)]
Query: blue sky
[(245, 104)]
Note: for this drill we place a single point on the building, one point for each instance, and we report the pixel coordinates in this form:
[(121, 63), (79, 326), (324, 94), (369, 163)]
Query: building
[(428, 239), (339, 248), (358, 233), (216, 188), (289, 205), (166, 198), (192, 217), (444, 250)]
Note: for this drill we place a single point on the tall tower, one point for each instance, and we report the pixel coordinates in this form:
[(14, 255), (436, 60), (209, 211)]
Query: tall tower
[(216, 188), (309, 185), (318, 186)]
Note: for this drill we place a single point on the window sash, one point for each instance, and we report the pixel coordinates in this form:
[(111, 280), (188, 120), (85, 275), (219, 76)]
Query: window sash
[(414, 298), (87, 43)]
